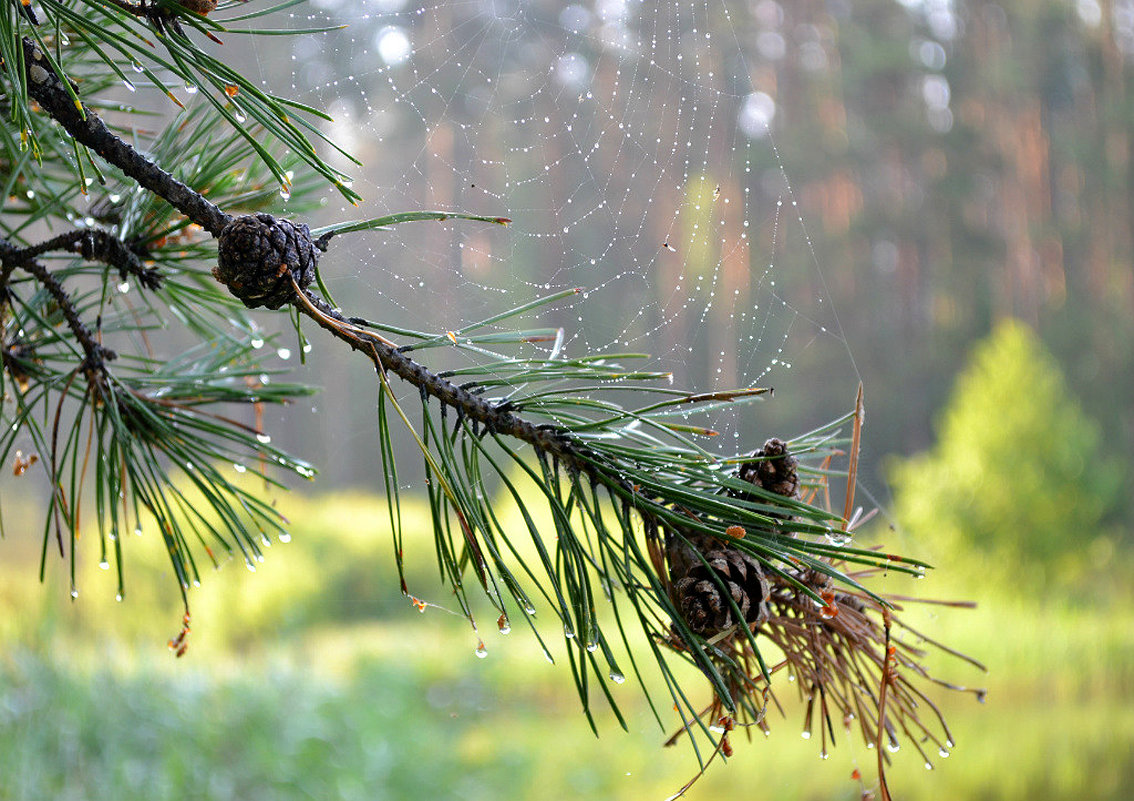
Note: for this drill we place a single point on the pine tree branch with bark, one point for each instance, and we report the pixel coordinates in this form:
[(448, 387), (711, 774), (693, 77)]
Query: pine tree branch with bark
[(712, 556)]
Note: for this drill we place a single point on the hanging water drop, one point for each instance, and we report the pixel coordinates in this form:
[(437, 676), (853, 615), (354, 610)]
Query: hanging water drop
[(105, 565), (129, 86), (137, 67), (592, 646), (74, 592), (124, 287), (239, 468), (943, 753), (285, 191), (617, 677), (118, 597), (481, 650), (284, 537), (190, 88), (503, 624), (568, 632), (256, 343), (263, 438), (284, 353), (137, 531)]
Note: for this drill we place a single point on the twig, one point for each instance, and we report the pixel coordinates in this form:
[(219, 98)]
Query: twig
[(96, 354), (46, 88), (93, 244)]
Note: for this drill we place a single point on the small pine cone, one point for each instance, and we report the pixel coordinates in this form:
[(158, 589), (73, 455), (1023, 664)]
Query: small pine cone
[(256, 254), (775, 469), (702, 591), (202, 7)]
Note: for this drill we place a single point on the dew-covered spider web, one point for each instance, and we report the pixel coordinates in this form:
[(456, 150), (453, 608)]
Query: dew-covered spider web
[(634, 147)]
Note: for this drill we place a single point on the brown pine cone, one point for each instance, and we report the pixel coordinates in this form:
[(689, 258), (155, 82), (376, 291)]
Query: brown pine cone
[(702, 591), (257, 253), (202, 7), (773, 469)]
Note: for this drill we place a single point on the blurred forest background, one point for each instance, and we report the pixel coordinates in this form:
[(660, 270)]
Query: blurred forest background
[(965, 173)]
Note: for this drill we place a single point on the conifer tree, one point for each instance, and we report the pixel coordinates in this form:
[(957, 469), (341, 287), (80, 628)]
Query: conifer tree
[(659, 546)]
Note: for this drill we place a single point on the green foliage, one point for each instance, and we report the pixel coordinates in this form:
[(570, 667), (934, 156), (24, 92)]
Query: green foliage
[(1017, 472), (388, 711)]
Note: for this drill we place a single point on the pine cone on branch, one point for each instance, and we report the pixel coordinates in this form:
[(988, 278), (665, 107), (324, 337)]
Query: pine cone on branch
[(702, 588), (705, 573), (774, 469)]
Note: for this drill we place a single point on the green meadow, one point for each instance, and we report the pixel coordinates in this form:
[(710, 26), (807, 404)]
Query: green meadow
[(313, 678)]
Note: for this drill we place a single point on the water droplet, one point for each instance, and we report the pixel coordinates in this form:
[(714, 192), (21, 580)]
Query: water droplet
[(806, 735), (481, 651), (306, 347), (118, 597), (137, 531), (284, 537), (529, 609), (124, 287), (74, 592), (928, 765), (503, 624), (568, 632), (256, 343), (943, 753), (130, 86), (105, 565), (592, 647), (948, 743), (285, 191), (137, 67), (284, 353), (263, 438), (250, 565), (190, 88), (239, 116), (617, 677), (239, 468), (893, 747), (981, 695)]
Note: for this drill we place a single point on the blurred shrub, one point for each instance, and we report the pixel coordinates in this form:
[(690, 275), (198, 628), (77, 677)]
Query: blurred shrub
[(337, 568), (1016, 475)]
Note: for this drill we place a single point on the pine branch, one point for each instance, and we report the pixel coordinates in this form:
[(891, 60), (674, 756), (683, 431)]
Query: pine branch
[(706, 552), (91, 244), (46, 87)]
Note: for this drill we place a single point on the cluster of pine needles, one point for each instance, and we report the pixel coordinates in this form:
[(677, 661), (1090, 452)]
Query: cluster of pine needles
[(840, 654)]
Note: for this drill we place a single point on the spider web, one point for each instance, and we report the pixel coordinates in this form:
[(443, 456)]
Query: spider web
[(634, 148)]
